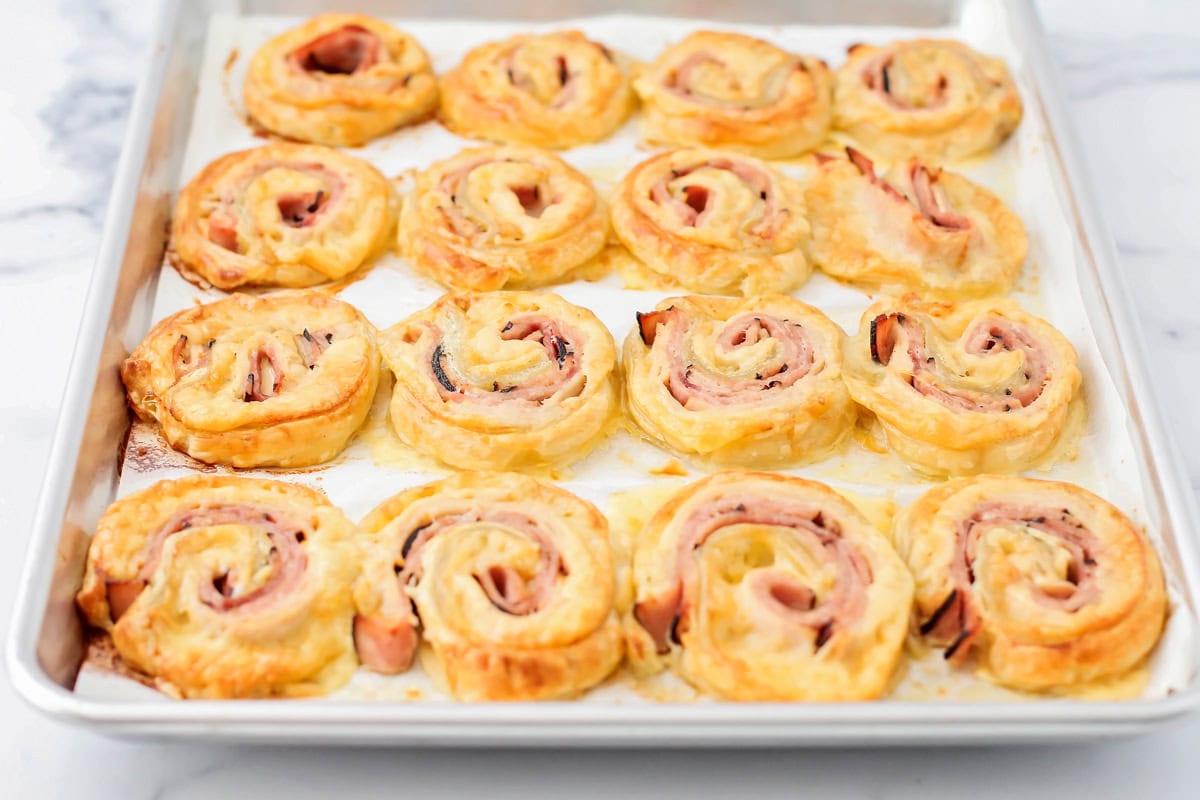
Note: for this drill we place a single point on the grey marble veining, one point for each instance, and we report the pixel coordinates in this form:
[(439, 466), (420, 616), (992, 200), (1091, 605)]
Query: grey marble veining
[(1132, 73)]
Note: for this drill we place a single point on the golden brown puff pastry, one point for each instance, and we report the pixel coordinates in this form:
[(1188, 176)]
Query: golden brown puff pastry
[(496, 216), (1047, 583), (714, 222), (736, 92), (502, 380), (510, 581), (933, 98), (753, 382), (281, 215), (553, 90), (980, 386), (914, 228), (339, 79), (227, 587), (280, 380), (757, 586)]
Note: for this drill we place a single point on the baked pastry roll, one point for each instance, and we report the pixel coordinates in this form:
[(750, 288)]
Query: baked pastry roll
[(757, 586), (281, 215), (914, 228), (509, 580), (502, 380), (753, 382), (496, 216), (281, 380), (224, 587), (555, 90), (339, 79), (1046, 583), (736, 92), (714, 222), (933, 98), (980, 386)]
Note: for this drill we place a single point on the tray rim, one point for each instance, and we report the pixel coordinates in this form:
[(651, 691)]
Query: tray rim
[(574, 722)]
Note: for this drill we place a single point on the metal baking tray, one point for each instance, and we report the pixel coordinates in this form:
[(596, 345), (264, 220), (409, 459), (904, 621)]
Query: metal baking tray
[(45, 646)]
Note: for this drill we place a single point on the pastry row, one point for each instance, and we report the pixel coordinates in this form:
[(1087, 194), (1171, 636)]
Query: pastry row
[(750, 586), (709, 221), (512, 380), (343, 79)]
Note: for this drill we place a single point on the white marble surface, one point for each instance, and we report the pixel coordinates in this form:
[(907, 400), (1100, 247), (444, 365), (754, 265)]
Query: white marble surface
[(1132, 74)]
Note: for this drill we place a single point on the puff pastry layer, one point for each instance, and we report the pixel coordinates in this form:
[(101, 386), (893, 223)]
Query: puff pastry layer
[(914, 228), (553, 90), (1048, 584), (501, 380), (280, 380), (933, 98), (757, 586), (281, 215), (980, 386), (509, 580), (496, 216), (753, 382), (736, 92), (714, 222), (225, 587), (339, 79)]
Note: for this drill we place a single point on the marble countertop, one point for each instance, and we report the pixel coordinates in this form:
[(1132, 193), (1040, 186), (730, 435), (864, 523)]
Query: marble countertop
[(1132, 75)]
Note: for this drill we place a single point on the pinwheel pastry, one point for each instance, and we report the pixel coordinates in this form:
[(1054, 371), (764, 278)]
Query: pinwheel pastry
[(509, 581), (1047, 584), (754, 382), (496, 216), (757, 586), (339, 79), (962, 389), (915, 227), (933, 98), (553, 90), (281, 215), (502, 380), (736, 92), (225, 587), (280, 380), (714, 222)]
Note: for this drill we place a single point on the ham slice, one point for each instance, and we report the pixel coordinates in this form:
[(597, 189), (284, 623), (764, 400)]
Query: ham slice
[(345, 51)]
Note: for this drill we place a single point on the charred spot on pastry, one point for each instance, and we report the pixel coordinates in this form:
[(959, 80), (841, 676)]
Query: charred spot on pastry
[(563, 74), (560, 352), (696, 197), (887, 83), (883, 337), (439, 372), (931, 623), (962, 636), (297, 209), (300, 537), (411, 538), (674, 634), (648, 323), (824, 633)]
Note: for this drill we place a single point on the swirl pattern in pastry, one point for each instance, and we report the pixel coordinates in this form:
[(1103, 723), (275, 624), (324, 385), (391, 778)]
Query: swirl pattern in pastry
[(962, 389), (509, 580), (1047, 584), (226, 587), (736, 92), (280, 380), (914, 228), (757, 586), (281, 215), (714, 222), (501, 380), (339, 80), (753, 382), (554, 90), (933, 98), (501, 216)]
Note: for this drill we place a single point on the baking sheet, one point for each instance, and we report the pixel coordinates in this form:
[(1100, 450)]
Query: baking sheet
[(376, 465)]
